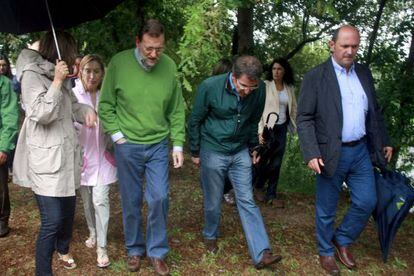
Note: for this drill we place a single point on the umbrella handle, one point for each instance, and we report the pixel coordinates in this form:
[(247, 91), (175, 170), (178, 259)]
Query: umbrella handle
[(272, 113), (75, 72)]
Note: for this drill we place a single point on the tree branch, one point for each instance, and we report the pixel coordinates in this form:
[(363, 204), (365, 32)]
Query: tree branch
[(374, 32)]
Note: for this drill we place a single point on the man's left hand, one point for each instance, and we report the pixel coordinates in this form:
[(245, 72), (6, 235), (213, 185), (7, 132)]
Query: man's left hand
[(90, 119), (255, 157), (388, 151), (178, 159), (3, 157)]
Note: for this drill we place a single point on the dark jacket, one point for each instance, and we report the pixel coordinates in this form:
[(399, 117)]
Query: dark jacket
[(320, 117), (218, 124)]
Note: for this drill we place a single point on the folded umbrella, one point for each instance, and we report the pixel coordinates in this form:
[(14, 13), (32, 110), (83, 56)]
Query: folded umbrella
[(264, 150), (395, 196)]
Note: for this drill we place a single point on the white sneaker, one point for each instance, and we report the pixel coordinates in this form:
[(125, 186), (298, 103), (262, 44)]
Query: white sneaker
[(90, 242), (102, 260)]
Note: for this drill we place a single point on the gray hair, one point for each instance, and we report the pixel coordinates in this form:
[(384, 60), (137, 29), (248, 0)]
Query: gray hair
[(249, 66)]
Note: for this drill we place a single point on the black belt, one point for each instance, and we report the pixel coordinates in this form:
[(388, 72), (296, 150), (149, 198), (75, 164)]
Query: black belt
[(354, 143)]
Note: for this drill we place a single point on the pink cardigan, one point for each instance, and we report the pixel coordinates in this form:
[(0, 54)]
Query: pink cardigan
[(98, 167)]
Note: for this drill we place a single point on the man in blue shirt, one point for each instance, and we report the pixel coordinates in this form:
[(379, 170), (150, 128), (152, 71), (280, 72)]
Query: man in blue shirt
[(342, 134)]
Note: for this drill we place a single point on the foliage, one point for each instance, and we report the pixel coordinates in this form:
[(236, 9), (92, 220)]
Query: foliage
[(295, 175), (205, 40), (11, 45)]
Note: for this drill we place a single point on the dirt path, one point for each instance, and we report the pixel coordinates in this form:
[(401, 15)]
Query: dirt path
[(291, 231)]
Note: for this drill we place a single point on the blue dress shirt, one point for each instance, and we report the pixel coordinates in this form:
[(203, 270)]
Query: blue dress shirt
[(354, 103)]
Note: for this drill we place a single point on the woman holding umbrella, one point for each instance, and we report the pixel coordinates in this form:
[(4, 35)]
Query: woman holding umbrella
[(48, 158), (98, 164), (280, 98)]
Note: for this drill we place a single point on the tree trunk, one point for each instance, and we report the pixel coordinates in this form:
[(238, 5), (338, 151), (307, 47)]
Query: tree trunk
[(374, 32), (409, 67), (141, 4), (245, 30)]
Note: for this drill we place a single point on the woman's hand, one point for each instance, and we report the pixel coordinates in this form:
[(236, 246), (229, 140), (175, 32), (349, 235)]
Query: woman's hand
[(61, 71), (90, 119)]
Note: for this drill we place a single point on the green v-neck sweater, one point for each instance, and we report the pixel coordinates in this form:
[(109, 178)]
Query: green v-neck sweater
[(145, 106)]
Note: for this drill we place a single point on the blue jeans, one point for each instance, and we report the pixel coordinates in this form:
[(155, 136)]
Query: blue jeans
[(134, 161), (238, 167), (355, 168), (56, 216)]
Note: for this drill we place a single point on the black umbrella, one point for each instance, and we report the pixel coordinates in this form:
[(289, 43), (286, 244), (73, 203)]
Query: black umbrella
[(269, 136), (27, 16), (395, 196)]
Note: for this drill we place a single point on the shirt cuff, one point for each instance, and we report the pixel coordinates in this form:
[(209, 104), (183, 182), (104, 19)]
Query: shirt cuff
[(178, 148), (116, 136)]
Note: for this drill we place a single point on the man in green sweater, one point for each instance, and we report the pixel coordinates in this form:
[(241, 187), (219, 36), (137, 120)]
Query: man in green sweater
[(141, 105), (9, 117), (222, 128)]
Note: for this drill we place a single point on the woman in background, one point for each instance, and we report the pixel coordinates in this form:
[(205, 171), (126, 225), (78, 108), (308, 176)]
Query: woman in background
[(5, 68), (98, 164), (48, 158), (280, 98)]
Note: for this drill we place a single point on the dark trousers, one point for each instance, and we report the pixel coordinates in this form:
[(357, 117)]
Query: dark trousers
[(269, 170), (4, 195), (56, 215)]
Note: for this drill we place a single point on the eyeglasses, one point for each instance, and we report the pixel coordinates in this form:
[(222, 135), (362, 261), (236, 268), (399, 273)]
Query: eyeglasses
[(245, 87), (152, 49)]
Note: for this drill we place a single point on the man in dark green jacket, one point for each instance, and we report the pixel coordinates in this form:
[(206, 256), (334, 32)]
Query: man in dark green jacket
[(8, 131), (222, 128)]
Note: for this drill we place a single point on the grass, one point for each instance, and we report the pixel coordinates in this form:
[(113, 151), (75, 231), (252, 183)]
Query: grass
[(291, 233)]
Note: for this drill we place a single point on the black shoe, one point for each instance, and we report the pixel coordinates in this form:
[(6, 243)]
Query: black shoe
[(4, 229)]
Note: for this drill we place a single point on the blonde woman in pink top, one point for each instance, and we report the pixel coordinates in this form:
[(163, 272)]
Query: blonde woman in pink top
[(98, 164)]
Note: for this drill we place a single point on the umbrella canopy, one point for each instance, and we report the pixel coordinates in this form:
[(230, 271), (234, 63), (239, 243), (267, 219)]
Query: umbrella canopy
[(395, 196), (22, 16)]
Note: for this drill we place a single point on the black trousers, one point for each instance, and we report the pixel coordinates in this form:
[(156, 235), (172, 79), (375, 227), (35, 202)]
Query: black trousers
[(4, 195), (269, 171)]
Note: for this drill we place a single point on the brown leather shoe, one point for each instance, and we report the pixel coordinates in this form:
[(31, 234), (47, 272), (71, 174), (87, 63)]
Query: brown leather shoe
[(329, 264), (160, 266), (268, 259), (211, 245), (133, 263), (344, 255)]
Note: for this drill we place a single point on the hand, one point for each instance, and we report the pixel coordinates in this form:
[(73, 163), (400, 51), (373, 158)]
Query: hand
[(255, 157), (178, 159), (3, 157), (61, 71), (261, 140), (388, 151), (90, 119), (196, 161), (121, 141), (315, 165)]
